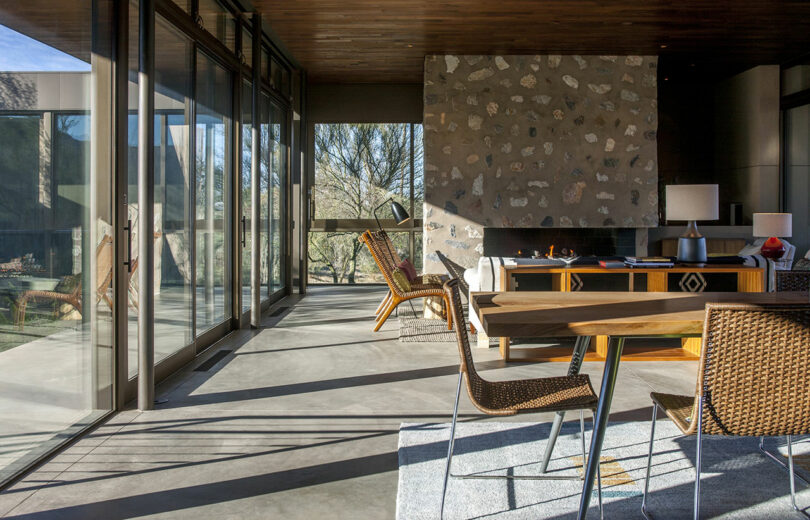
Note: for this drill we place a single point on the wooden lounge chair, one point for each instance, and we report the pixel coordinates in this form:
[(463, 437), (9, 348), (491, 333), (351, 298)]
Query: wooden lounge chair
[(386, 258), (752, 380), (548, 394)]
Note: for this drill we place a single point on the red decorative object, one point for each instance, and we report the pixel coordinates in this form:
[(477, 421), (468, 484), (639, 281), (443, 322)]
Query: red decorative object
[(407, 267), (773, 248)]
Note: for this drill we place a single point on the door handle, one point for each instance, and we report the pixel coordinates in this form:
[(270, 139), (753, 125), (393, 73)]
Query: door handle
[(128, 262), (244, 236)]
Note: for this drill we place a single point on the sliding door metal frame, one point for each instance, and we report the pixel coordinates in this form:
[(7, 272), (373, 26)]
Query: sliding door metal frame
[(120, 204), (304, 190), (146, 199), (236, 191), (255, 172)]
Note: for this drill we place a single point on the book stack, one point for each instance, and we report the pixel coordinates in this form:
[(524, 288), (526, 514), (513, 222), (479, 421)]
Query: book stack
[(648, 261)]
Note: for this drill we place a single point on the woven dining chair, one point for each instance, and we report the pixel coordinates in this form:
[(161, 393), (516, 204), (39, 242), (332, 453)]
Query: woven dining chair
[(548, 394), (753, 380), (792, 280)]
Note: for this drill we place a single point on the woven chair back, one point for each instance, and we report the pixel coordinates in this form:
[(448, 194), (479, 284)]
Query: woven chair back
[(792, 280), (755, 370), (474, 381), (455, 271), (378, 248)]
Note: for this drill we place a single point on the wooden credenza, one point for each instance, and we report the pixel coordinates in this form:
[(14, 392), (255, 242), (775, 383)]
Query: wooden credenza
[(715, 278)]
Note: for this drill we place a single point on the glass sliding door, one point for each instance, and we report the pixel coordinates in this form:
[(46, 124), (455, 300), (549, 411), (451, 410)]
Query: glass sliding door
[(56, 235), (277, 155), (264, 197), (173, 185), (244, 228), (214, 100)]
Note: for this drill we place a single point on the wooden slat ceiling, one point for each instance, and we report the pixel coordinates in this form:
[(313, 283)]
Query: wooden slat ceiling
[(385, 41)]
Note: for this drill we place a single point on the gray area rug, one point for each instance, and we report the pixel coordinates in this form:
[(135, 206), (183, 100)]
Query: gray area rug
[(737, 480), (413, 328)]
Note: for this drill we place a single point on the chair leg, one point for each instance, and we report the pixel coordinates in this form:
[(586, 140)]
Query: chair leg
[(382, 304), (450, 444), (698, 455), (379, 315), (598, 474), (793, 478), (649, 463), (22, 303), (776, 459), (384, 315), (448, 312)]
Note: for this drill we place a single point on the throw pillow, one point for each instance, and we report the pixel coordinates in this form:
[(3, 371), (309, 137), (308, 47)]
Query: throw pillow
[(401, 280), (407, 267)]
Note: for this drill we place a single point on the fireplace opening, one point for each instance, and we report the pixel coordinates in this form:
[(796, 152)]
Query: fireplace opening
[(585, 242)]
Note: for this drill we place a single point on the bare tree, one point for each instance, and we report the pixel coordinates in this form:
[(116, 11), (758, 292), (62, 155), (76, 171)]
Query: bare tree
[(357, 167)]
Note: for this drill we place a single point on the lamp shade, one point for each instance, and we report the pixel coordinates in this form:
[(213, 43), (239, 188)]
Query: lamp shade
[(692, 202), (400, 215), (773, 224)]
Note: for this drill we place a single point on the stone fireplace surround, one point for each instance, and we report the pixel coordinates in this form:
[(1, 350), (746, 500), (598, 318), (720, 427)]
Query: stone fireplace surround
[(537, 141)]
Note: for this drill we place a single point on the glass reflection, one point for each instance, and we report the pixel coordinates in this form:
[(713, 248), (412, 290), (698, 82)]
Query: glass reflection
[(212, 195), (56, 245)]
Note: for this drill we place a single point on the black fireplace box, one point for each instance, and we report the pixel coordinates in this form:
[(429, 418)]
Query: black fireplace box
[(593, 244)]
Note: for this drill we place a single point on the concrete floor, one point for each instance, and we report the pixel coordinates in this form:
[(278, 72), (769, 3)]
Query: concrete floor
[(299, 421)]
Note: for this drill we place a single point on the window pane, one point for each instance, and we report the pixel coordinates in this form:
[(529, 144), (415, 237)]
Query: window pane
[(213, 178), (247, 148), (173, 302), (247, 47), (359, 166), (265, 72), (56, 248), (219, 21), (185, 5), (342, 259), (264, 197), (278, 186), (418, 171)]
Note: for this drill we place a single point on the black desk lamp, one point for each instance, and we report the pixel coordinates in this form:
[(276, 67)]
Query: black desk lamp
[(400, 215)]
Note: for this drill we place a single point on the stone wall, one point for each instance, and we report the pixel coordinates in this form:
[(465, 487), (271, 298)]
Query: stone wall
[(529, 141)]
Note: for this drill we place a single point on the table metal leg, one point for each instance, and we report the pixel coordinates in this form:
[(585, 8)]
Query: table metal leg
[(580, 347), (612, 359)]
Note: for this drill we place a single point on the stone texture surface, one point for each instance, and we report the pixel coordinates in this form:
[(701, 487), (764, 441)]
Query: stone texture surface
[(530, 141)]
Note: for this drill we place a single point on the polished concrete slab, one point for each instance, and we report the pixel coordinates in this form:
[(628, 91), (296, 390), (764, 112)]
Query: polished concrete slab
[(300, 420)]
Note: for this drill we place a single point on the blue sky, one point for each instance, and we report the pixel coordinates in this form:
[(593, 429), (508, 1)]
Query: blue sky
[(20, 53)]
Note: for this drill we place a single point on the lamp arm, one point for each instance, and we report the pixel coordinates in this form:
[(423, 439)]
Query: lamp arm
[(375, 212)]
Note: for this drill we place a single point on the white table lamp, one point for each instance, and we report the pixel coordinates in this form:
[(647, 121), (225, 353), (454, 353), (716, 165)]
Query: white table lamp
[(773, 226), (692, 202)]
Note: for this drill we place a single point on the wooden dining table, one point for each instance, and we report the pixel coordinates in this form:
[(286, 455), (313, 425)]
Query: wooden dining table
[(618, 315)]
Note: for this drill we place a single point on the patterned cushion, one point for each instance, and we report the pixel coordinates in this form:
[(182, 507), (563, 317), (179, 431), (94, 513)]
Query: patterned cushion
[(433, 279), (802, 264), (401, 280)]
